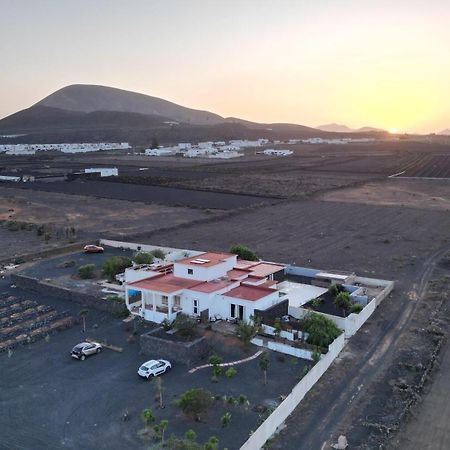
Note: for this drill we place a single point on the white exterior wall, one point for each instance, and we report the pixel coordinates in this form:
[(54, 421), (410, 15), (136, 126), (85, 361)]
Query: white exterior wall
[(287, 406), (204, 273), (223, 304), (132, 275), (103, 171)]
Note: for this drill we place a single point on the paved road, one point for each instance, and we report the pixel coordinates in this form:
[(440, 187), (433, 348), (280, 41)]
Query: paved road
[(318, 429)]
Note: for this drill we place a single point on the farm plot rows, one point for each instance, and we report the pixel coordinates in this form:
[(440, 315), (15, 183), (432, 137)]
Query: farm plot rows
[(330, 235), (149, 194), (428, 166)]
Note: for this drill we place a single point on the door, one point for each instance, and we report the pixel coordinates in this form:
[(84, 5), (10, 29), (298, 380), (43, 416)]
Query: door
[(241, 312)]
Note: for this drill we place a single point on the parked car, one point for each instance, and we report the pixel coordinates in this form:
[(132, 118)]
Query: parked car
[(93, 249), (154, 367), (84, 349)]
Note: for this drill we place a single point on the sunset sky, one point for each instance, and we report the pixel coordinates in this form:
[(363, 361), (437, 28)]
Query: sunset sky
[(383, 63)]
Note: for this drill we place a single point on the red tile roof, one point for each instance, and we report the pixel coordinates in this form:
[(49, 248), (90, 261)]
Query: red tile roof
[(250, 293), (237, 274), (264, 269), (165, 283), (212, 286), (210, 258), (244, 264)]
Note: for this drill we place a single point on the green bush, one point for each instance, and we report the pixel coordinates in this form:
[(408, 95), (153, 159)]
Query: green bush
[(245, 331), (143, 258), (244, 252), (124, 313), (158, 253), (87, 271), (343, 301), (356, 308), (114, 298), (215, 360), (230, 372), (186, 326), (322, 331), (195, 402), (225, 419), (114, 265)]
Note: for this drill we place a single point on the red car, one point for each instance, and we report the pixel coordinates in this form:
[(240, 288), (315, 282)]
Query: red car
[(93, 249)]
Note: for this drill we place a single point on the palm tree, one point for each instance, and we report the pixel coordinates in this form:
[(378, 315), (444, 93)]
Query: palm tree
[(147, 417), (83, 313), (264, 365)]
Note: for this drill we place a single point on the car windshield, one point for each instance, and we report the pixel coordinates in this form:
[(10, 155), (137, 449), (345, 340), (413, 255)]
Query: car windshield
[(144, 368), (77, 348)]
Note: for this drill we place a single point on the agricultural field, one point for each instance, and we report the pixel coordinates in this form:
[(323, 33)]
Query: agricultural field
[(326, 207)]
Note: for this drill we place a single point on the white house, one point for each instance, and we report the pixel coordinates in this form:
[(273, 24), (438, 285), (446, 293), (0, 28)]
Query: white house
[(104, 171), (214, 285)]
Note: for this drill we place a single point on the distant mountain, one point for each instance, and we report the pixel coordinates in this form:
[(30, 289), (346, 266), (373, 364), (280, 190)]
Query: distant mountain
[(89, 98), (97, 113), (337, 128), (445, 132)]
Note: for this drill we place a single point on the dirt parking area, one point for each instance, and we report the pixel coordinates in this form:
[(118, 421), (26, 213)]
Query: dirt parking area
[(81, 404)]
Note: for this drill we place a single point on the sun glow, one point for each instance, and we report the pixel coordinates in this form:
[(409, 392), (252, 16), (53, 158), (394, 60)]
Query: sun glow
[(393, 131)]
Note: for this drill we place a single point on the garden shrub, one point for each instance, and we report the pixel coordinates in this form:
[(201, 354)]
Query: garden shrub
[(87, 271)]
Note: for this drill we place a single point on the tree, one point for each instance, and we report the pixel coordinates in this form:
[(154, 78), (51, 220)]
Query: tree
[(155, 143), (83, 313), (114, 265), (87, 271), (246, 330), (143, 258), (277, 326), (264, 365), (160, 429), (244, 252), (147, 417), (158, 385), (343, 301), (195, 402), (321, 330)]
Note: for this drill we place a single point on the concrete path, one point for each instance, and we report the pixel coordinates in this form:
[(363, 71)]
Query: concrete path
[(233, 363)]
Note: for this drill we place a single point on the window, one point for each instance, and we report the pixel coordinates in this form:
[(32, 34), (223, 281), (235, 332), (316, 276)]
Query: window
[(190, 271), (164, 300), (233, 310), (195, 307), (177, 300)]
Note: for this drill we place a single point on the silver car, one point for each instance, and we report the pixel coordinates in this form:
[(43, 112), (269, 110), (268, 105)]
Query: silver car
[(84, 349)]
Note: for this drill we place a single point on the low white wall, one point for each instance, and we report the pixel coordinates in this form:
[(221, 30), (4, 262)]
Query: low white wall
[(353, 322), (289, 335), (270, 425), (284, 348), (172, 254)]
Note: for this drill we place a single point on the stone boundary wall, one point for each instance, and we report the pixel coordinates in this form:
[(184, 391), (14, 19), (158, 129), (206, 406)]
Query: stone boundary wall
[(85, 300), (188, 353), (287, 406), (46, 253)]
